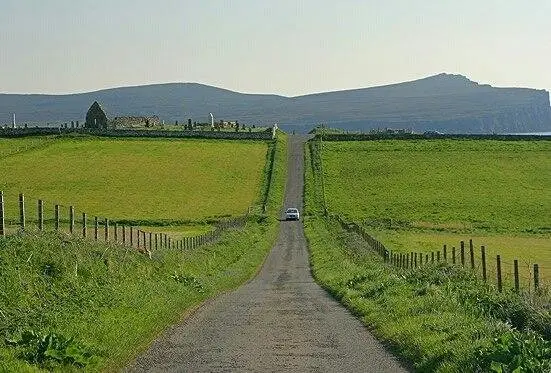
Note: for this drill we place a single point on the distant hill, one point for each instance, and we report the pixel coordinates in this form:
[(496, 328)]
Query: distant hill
[(444, 102)]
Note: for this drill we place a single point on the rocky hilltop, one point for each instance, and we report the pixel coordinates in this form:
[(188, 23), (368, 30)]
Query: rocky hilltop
[(445, 102)]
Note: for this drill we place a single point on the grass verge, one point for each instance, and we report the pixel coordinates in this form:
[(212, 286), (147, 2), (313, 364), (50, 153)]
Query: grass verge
[(68, 304), (440, 318)]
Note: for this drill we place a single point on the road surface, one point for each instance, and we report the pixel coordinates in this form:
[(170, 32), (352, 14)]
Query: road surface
[(281, 321)]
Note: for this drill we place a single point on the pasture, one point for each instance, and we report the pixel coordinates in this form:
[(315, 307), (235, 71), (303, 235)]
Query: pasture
[(419, 195), (146, 180)]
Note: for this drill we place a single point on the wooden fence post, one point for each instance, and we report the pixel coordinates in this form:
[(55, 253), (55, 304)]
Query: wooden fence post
[(462, 254), (71, 219), (483, 253), (138, 236), (499, 283), (438, 256), (415, 260), (411, 261), (166, 241), (156, 242), (517, 282), (56, 217), (427, 258), (445, 249), (2, 216), (536, 277), (116, 232), (40, 214), (131, 236), (106, 229), (84, 224), (420, 259), (471, 251), (150, 240), (124, 234), (453, 255), (22, 211), (145, 242), (96, 228)]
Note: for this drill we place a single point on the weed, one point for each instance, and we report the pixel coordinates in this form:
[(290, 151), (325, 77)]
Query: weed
[(40, 348)]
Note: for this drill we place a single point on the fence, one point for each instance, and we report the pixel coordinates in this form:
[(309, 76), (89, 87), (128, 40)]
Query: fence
[(466, 257), (65, 218)]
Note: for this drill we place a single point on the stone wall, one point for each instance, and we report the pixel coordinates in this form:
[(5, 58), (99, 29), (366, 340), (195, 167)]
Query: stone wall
[(43, 131)]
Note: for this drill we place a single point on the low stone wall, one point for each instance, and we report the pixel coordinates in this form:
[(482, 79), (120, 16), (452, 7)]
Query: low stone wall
[(44, 131), (372, 137)]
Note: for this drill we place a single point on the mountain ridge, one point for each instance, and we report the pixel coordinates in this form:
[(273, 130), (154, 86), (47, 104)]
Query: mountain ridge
[(444, 102)]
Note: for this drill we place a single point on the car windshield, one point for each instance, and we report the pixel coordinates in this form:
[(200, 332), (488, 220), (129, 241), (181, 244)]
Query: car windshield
[(292, 210)]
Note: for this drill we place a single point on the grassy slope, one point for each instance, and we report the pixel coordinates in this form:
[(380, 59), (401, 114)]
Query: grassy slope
[(439, 192), (137, 178), (439, 318), (116, 301)]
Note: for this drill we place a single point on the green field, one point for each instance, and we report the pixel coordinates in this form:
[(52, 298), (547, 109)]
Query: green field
[(144, 180), (9, 147), (419, 195)]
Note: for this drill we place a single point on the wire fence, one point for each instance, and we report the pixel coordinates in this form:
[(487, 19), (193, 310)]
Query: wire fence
[(520, 275), (26, 214)]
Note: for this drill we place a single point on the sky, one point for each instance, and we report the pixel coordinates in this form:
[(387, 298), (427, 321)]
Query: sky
[(285, 47)]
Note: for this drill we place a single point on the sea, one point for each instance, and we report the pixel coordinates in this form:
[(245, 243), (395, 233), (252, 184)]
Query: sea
[(533, 133)]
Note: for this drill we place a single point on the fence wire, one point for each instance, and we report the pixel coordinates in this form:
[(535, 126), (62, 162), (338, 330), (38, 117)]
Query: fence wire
[(35, 214)]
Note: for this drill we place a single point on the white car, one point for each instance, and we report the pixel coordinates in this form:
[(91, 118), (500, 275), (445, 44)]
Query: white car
[(292, 214)]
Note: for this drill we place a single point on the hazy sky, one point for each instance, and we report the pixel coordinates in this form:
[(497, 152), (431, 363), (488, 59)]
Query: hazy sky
[(287, 47)]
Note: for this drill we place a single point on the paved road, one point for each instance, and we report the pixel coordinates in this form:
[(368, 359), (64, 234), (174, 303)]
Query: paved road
[(281, 321)]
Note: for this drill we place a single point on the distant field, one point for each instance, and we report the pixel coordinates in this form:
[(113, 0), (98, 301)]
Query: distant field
[(442, 191), (444, 184), (136, 179), (11, 146)]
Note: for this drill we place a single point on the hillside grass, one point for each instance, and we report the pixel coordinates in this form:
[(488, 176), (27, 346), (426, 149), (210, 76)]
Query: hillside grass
[(111, 299), (439, 318), (135, 179), (420, 195), (469, 185)]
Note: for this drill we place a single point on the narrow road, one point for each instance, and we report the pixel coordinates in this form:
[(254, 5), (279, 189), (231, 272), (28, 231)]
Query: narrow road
[(281, 321)]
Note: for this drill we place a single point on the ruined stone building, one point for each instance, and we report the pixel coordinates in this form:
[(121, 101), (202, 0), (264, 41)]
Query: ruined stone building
[(130, 121), (95, 117)]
